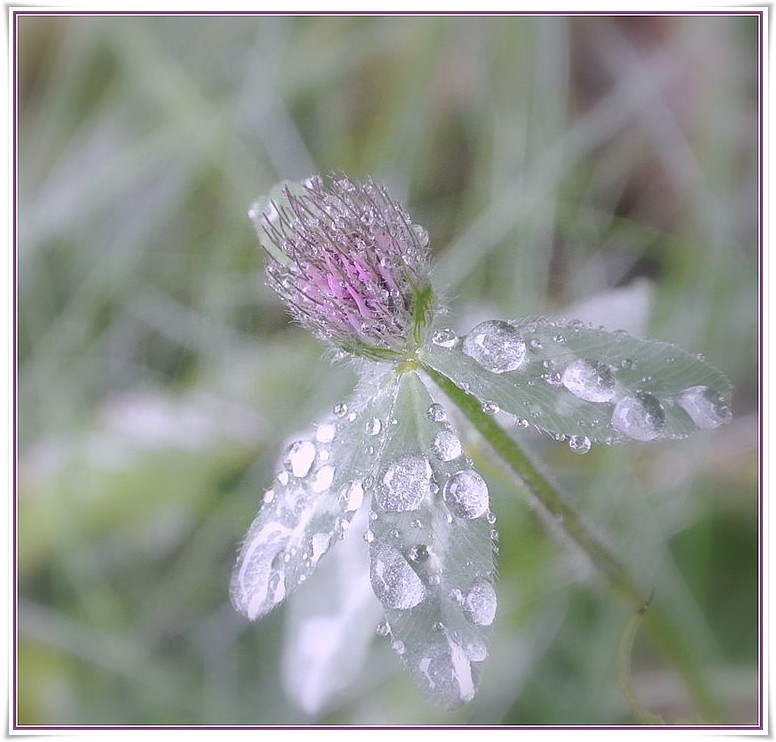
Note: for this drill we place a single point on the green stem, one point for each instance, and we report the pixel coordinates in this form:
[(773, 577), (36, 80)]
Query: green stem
[(614, 572)]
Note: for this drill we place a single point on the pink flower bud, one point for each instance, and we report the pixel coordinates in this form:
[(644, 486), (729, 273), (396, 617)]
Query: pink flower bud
[(349, 263)]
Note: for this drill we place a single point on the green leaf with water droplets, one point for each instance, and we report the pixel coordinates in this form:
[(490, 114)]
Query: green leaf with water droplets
[(317, 490), (589, 384), (431, 549)]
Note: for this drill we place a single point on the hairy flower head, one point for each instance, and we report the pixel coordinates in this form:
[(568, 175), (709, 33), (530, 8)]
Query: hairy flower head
[(349, 264)]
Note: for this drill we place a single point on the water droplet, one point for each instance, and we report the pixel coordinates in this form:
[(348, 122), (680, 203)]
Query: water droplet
[(640, 417), (446, 446), (421, 234), (437, 413), (496, 346), (269, 496), (322, 479), (490, 408), (626, 364), (369, 536), (419, 553), (490, 516), (351, 416), (553, 378), (352, 495), (476, 650), (325, 433), (707, 408), (299, 457), (559, 338), (282, 477), (445, 338), (521, 422), (373, 427), (276, 587), (456, 596), (466, 494), (589, 380), (320, 543), (480, 604), (579, 443), (535, 344), (397, 645), (340, 409), (394, 581), (383, 628), (404, 484)]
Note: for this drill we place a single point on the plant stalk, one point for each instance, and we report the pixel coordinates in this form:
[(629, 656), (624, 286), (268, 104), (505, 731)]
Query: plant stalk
[(616, 574)]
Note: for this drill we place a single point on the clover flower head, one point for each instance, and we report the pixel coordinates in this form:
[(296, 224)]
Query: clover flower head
[(349, 263)]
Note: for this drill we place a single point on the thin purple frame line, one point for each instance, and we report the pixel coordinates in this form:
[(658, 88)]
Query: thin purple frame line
[(19, 13)]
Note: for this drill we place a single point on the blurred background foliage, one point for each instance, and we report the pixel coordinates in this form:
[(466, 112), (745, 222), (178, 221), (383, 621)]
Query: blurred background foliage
[(591, 166)]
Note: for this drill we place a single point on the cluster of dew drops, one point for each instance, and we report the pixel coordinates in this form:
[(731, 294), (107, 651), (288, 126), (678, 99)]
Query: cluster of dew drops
[(500, 347), (402, 486)]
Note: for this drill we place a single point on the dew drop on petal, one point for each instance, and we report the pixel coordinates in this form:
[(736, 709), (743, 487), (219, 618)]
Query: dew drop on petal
[(340, 409), (444, 338), (322, 479), (397, 645), (421, 234), (707, 408), (394, 582), (579, 444), (299, 457), (404, 484), (352, 495), (446, 446), (436, 413), (640, 417), (320, 543), (466, 494), (480, 604), (325, 433), (490, 408), (383, 628), (374, 426), (419, 553), (476, 649), (589, 380), (496, 346)]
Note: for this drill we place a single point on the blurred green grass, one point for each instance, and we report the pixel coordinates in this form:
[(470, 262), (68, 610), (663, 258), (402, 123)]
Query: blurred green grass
[(551, 159)]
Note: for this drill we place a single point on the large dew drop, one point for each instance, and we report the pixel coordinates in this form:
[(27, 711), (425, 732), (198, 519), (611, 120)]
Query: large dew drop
[(496, 346), (707, 408), (404, 484), (299, 457), (640, 417), (351, 495), (394, 582), (466, 494), (589, 380), (446, 446), (480, 604)]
